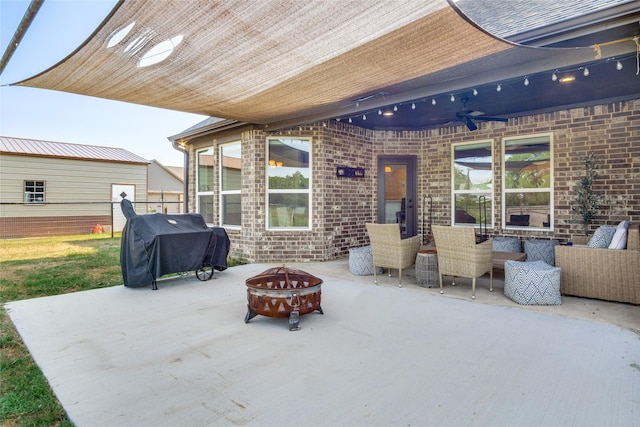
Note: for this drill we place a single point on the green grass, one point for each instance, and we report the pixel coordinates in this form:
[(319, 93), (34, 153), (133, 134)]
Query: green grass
[(37, 267)]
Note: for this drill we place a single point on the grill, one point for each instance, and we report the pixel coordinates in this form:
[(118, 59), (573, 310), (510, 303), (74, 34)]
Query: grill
[(283, 292), (157, 244)]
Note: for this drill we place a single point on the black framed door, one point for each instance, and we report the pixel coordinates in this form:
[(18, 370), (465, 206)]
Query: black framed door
[(397, 190)]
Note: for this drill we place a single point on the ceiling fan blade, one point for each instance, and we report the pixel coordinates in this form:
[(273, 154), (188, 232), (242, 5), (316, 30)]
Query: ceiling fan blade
[(491, 119), (470, 124)]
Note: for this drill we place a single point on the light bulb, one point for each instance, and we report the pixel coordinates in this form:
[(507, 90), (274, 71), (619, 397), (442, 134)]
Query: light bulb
[(453, 98), (498, 88), (526, 81), (475, 92), (618, 65), (395, 108), (379, 112), (338, 119), (350, 121), (364, 117), (433, 101), (585, 72), (413, 105), (554, 77)]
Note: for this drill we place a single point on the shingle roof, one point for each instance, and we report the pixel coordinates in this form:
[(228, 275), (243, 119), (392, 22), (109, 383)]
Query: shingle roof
[(508, 18), (33, 147)]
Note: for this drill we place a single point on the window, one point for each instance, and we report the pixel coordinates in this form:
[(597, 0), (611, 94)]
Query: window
[(527, 182), (34, 192), (288, 183), (473, 183), (230, 184), (204, 183)]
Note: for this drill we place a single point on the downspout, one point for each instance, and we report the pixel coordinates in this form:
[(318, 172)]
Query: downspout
[(180, 146)]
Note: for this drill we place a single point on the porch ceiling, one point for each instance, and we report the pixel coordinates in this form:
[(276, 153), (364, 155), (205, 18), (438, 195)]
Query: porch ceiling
[(280, 63)]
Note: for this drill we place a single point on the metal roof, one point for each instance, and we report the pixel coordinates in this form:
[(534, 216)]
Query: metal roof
[(38, 148)]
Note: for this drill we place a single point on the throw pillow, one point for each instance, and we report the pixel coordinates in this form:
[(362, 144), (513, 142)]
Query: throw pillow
[(602, 237), (619, 240)]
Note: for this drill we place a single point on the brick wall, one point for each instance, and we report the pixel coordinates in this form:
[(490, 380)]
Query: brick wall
[(342, 206)]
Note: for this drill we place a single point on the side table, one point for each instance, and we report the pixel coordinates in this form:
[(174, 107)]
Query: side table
[(427, 268)]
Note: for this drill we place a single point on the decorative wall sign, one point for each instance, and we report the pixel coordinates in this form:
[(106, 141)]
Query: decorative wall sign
[(345, 172)]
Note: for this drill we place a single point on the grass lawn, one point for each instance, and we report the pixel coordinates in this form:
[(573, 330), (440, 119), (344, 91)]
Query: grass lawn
[(37, 267), (32, 268)]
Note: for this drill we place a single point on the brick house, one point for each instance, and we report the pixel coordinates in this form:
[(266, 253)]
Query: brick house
[(340, 206)]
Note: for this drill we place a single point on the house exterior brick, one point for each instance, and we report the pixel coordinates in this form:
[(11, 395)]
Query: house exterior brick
[(342, 206)]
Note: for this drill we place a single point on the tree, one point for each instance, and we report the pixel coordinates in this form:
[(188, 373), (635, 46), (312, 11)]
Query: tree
[(587, 203)]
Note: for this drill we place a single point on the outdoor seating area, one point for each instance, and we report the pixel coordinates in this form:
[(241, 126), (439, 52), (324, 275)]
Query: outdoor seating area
[(532, 273)]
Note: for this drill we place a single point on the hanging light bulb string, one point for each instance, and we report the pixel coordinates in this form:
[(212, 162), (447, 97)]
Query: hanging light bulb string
[(527, 81)]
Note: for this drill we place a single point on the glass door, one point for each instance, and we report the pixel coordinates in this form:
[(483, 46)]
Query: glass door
[(397, 193)]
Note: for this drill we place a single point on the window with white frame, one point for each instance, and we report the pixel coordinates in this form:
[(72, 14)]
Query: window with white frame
[(527, 182), (230, 184), (204, 183), (472, 183), (288, 183), (34, 192)]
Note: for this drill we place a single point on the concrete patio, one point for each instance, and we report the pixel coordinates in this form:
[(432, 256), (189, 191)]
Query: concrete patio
[(380, 355)]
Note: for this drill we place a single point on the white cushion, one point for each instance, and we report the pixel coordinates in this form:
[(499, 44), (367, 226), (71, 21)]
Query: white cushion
[(602, 237), (619, 240)]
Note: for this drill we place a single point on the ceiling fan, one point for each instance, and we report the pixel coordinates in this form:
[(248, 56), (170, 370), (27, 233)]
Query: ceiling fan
[(469, 117)]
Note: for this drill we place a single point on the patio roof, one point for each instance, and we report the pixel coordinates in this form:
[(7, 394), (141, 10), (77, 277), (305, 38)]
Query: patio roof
[(242, 61)]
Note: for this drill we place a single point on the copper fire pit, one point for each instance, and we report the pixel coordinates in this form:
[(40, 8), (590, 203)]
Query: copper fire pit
[(283, 292)]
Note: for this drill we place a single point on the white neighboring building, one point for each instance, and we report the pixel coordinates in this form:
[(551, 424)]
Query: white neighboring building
[(166, 188), (54, 188)]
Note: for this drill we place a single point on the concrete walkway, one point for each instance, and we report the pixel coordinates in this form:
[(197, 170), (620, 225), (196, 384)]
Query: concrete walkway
[(379, 356)]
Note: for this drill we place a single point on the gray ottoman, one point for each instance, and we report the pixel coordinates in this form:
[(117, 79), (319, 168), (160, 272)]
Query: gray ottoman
[(507, 244), (361, 261), (532, 283), (541, 250)]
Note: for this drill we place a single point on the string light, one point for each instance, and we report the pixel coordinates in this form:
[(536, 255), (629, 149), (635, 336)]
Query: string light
[(563, 76)]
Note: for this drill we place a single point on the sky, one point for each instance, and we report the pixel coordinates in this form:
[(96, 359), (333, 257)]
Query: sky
[(59, 27)]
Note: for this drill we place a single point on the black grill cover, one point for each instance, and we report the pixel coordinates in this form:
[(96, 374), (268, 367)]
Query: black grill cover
[(157, 244)]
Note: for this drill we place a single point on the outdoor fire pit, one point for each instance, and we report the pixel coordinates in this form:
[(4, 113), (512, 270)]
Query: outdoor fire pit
[(283, 292)]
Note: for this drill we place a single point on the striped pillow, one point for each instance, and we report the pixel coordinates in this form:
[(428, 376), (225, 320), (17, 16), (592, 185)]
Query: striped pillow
[(602, 237)]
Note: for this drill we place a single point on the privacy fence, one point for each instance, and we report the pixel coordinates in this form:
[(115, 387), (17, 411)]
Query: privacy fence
[(61, 218)]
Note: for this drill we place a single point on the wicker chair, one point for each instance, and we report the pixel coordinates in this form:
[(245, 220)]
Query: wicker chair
[(390, 250), (459, 255)]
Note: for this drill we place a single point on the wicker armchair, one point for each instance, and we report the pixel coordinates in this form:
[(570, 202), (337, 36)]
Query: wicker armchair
[(459, 255), (390, 250)]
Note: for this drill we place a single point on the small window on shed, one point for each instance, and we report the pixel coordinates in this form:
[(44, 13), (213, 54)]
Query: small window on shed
[(34, 192)]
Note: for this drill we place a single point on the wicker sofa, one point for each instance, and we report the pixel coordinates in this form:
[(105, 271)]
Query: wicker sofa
[(607, 274)]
